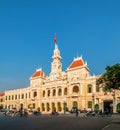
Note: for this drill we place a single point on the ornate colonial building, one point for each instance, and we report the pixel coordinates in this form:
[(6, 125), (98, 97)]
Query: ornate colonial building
[(2, 95), (61, 90)]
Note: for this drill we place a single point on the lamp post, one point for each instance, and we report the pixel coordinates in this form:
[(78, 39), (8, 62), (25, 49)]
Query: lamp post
[(64, 107), (114, 101), (93, 101)]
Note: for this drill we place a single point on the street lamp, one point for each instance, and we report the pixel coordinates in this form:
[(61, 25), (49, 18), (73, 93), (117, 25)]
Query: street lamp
[(114, 100), (93, 101), (64, 107)]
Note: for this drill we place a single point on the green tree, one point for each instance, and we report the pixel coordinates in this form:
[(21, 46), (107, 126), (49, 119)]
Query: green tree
[(38, 109), (1, 107), (110, 79), (118, 108), (96, 108)]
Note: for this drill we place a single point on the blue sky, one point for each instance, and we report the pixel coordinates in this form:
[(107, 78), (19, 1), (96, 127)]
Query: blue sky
[(90, 28)]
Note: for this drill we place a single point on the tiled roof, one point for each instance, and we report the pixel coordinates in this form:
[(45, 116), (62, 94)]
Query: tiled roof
[(2, 94), (38, 73), (77, 63)]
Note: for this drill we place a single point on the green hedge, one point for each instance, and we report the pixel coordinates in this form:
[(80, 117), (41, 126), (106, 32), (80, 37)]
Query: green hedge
[(96, 108), (118, 108)]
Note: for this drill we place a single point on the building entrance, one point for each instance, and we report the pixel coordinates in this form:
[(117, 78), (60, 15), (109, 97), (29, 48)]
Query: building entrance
[(75, 104), (108, 104), (21, 106)]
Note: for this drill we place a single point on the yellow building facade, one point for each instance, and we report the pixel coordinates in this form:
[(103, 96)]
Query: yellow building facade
[(62, 90), (2, 95)]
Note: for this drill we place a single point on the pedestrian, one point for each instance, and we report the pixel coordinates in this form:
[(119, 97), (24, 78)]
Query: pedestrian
[(84, 111), (107, 111), (5, 112), (76, 111), (21, 112)]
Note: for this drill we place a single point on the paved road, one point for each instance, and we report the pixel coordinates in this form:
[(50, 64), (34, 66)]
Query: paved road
[(47, 122)]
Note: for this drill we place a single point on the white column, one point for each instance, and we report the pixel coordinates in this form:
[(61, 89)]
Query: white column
[(100, 104), (80, 89), (56, 89), (114, 104), (62, 91), (94, 86), (83, 104), (94, 101)]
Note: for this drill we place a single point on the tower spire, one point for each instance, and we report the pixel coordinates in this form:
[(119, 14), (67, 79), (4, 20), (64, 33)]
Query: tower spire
[(55, 40), (56, 65)]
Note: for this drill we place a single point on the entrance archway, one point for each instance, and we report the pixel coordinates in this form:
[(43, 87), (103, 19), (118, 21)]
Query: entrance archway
[(75, 105), (21, 105), (108, 104)]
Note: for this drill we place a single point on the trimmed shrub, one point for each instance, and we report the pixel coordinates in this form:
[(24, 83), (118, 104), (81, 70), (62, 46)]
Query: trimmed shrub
[(118, 108), (96, 108)]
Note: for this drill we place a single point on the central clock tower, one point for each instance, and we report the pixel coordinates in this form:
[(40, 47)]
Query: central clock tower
[(56, 66)]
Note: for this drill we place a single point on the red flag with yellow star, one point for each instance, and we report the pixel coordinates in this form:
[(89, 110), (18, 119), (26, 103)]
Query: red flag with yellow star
[(54, 38)]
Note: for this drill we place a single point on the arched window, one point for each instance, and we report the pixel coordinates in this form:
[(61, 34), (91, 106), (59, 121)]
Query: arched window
[(9, 107), (33, 105), (19, 96), (43, 107), (65, 108), (44, 93), (75, 104), (12, 97), (75, 89), (35, 94), (59, 106), (15, 96), (54, 92), (9, 98), (21, 105), (59, 91), (48, 106), (89, 88), (48, 93), (26, 95), (97, 88), (65, 91), (6, 98), (53, 106), (22, 96)]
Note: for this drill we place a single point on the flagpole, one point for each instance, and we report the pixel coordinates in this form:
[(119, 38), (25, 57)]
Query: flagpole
[(55, 41)]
